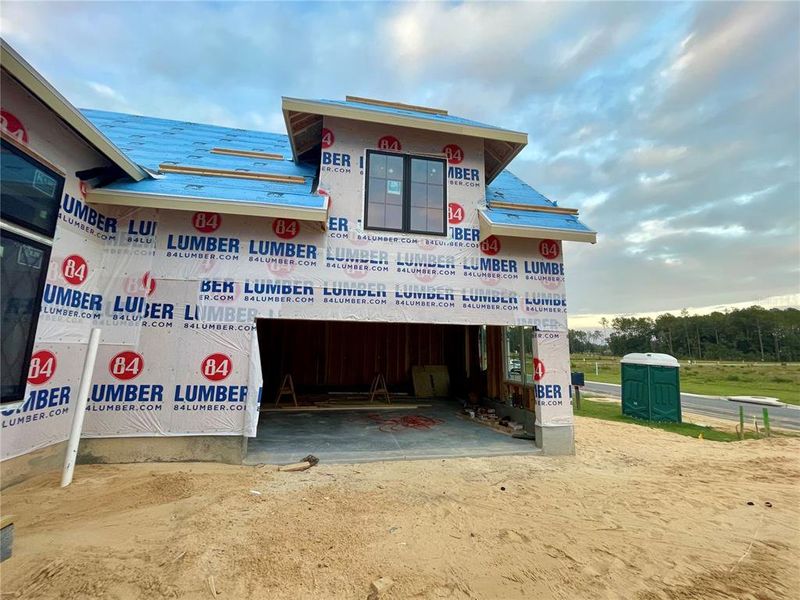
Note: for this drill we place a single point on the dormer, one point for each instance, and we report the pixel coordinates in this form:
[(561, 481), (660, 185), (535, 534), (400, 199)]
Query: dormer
[(305, 122)]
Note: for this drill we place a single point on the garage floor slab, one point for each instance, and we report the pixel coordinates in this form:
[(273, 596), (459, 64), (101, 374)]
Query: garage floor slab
[(359, 436)]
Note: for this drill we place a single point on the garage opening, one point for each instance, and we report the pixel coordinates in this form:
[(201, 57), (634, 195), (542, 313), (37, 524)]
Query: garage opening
[(332, 361), (431, 372)]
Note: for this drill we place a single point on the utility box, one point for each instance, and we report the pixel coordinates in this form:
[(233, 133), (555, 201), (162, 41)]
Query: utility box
[(651, 388)]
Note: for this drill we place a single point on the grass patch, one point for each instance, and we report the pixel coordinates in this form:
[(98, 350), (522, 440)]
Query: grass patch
[(611, 411), (781, 381)]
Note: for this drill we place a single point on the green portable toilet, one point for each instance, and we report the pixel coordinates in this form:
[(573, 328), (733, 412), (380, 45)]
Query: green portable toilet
[(651, 387)]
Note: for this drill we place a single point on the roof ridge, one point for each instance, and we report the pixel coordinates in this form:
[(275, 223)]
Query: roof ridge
[(95, 111)]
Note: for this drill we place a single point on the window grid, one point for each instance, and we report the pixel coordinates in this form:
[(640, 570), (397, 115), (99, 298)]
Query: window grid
[(405, 193)]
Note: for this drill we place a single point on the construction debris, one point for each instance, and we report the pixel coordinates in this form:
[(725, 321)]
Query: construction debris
[(300, 466), (379, 586), (305, 464)]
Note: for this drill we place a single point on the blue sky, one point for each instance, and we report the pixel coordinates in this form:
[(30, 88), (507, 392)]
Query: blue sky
[(674, 127)]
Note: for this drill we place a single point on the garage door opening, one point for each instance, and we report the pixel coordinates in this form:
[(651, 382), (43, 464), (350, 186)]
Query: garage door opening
[(337, 361), (333, 365)]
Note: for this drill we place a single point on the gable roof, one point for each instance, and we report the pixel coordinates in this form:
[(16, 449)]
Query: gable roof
[(304, 125)]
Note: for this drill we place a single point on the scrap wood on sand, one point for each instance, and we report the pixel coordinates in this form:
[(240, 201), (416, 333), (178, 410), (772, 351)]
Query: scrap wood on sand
[(638, 513)]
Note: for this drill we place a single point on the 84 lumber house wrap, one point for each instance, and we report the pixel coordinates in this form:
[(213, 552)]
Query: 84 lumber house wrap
[(178, 238)]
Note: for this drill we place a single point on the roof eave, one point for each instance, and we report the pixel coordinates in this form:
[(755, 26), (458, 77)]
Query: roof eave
[(23, 72), (490, 177), (364, 114), (197, 204), (487, 227)]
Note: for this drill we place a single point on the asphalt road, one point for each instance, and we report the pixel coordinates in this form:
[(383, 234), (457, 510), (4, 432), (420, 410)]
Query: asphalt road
[(787, 417)]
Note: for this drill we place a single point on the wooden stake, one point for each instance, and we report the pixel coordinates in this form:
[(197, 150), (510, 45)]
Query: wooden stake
[(741, 422)]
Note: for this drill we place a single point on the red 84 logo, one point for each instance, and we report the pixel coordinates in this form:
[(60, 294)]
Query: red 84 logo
[(42, 367), (74, 269), (126, 365), (389, 142), (216, 367), (286, 228), (453, 153), (206, 222), (327, 138), (538, 369), (549, 249), (491, 245), (455, 213)]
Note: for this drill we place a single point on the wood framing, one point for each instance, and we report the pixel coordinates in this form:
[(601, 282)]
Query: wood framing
[(247, 153), (534, 208), (211, 172), (400, 105)]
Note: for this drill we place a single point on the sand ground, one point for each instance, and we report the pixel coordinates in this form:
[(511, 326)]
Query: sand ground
[(638, 513)]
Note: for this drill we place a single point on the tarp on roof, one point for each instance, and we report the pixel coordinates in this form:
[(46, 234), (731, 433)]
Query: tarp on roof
[(153, 142)]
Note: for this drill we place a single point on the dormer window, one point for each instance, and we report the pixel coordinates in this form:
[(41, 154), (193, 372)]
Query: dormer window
[(405, 193)]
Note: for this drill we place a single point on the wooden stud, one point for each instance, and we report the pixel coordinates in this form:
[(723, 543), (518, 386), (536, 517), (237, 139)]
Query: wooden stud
[(247, 153), (211, 172), (531, 208)]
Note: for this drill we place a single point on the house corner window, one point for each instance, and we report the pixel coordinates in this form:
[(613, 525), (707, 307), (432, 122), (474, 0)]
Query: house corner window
[(405, 193), (30, 198)]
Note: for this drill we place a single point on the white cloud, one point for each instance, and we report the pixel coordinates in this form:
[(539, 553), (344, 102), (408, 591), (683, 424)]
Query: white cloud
[(654, 229), (106, 91), (647, 180)]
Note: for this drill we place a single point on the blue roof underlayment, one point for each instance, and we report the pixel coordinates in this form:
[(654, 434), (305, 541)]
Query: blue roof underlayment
[(392, 110), (537, 220), (510, 189), (150, 142)]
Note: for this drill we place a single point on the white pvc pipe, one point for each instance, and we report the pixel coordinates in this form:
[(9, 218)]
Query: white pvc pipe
[(80, 408)]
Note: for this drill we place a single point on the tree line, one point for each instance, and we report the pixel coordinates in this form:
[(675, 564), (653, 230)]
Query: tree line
[(752, 333)]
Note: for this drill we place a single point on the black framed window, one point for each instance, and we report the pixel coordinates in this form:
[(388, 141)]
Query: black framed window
[(30, 196), (23, 271), (31, 192), (405, 193)]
